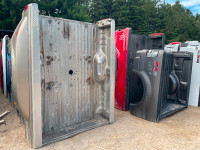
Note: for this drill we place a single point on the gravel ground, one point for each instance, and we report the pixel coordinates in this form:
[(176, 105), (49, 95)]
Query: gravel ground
[(179, 131)]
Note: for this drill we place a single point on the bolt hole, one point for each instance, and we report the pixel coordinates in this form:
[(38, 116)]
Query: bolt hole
[(70, 72)]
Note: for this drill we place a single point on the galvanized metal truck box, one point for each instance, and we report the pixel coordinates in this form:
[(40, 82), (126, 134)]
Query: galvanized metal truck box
[(63, 75)]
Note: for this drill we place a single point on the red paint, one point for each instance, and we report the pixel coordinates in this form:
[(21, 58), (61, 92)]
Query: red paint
[(174, 43), (18, 29), (0, 68), (156, 63), (121, 39), (25, 8), (156, 34), (156, 67)]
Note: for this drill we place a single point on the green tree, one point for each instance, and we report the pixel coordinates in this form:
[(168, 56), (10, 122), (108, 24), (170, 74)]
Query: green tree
[(11, 10), (143, 16), (121, 13), (100, 9)]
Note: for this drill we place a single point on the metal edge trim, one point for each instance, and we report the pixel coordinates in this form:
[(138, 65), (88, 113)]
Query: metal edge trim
[(35, 77), (112, 71)]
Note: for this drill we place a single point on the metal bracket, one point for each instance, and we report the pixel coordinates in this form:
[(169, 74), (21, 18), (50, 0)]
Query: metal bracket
[(152, 53), (104, 23)]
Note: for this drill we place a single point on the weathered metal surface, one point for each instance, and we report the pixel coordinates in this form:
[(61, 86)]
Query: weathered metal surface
[(64, 91), (70, 95), (20, 68), (75, 76), (4, 60), (26, 80), (35, 121), (73, 130)]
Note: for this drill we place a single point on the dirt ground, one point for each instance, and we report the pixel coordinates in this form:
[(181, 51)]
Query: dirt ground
[(180, 131)]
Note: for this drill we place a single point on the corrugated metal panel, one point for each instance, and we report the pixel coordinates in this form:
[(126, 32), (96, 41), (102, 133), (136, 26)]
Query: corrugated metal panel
[(70, 94), (66, 96)]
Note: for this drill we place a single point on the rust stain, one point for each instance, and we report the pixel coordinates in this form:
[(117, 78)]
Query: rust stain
[(43, 60), (49, 85), (90, 81), (42, 50), (87, 58), (49, 21), (51, 47), (49, 60), (66, 30), (43, 89)]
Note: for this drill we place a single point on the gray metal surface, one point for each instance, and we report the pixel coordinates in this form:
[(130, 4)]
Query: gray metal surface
[(35, 121), (13, 72), (70, 93), (20, 67), (4, 62), (113, 71), (26, 80), (63, 90)]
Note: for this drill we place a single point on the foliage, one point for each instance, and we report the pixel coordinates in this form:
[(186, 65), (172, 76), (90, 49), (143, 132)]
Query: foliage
[(143, 16), (11, 10), (150, 16)]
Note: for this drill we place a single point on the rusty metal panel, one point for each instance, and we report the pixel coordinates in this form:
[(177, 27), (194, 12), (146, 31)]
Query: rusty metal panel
[(69, 92), (73, 92), (70, 74)]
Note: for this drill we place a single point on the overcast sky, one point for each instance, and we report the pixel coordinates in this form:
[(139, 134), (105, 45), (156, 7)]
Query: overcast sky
[(193, 5)]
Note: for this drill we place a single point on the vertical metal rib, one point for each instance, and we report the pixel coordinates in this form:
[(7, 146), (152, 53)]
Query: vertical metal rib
[(69, 98)]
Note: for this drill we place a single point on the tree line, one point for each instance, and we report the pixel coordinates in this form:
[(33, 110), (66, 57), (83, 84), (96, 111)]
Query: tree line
[(143, 16)]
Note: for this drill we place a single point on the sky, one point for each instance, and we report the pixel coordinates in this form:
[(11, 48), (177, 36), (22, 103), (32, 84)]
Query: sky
[(193, 5)]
